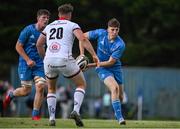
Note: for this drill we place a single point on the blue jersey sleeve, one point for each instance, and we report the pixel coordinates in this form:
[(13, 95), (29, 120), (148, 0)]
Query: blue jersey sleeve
[(118, 53), (94, 34), (24, 35), (118, 50)]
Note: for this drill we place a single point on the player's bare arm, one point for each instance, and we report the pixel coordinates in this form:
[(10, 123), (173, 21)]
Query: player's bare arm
[(108, 63), (40, 45), (21, 52), (81, 48), (90, 65), (85, 43)]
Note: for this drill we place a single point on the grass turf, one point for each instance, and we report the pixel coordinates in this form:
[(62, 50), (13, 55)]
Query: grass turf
[(19, 123)]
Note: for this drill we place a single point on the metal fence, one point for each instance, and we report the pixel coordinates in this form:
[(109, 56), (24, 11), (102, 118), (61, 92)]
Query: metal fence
[(159, 87)]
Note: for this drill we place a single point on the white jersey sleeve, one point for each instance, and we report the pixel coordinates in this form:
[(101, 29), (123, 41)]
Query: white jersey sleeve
[(60, 38)]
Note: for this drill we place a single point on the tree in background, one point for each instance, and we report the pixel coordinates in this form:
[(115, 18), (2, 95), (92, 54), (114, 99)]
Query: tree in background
[(150, 28)]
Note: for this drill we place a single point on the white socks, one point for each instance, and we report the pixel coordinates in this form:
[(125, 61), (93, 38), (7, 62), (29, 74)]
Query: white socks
[(78, 99), (51, 101)]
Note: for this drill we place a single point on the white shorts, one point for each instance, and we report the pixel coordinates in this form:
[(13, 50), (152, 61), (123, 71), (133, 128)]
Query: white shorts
[(54, 66)]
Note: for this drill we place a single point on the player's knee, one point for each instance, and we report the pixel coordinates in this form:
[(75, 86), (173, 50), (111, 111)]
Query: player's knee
[(114, 90), (26, 90), (40, 88), (40, 82)]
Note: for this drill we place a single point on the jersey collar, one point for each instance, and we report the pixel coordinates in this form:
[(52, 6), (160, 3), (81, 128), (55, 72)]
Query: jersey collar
[(62, 18)]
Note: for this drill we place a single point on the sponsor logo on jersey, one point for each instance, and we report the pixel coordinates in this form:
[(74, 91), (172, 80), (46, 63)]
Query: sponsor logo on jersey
[(53, 66), (54, 47)]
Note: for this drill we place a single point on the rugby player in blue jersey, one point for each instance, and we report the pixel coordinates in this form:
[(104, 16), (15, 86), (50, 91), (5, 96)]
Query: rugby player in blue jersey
[(30, 64), (110, 48)]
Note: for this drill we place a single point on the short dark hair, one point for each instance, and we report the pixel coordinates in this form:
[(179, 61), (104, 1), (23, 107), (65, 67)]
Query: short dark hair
[(43, 12), (65, 9), (113, 23)]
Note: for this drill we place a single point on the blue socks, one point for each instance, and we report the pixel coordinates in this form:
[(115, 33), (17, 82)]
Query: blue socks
[(117, 109), (35, 112)]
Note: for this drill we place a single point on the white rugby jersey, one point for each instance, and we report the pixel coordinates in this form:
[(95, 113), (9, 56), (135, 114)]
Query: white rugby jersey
[(60, 38)]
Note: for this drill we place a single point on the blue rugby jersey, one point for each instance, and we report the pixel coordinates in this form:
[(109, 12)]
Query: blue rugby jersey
[(28, 37), (105, 49)]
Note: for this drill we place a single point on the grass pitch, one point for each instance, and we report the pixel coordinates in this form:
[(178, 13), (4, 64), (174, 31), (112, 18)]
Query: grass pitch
[(19, 123)]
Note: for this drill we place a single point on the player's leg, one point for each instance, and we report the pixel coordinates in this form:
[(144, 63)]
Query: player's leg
[(73, 72), (79, 93), (24, 90), (26, 83), (51, 78), (51, 100), (119, 79), (108, 77), (114, 88), (40, 83), (80, 83)]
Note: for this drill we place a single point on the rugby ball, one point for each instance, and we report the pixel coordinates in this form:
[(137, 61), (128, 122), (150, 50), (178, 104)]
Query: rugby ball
[(82, 61)]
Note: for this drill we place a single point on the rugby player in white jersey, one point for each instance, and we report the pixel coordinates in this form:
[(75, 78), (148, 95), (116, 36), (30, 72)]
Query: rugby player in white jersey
[(59, 36)]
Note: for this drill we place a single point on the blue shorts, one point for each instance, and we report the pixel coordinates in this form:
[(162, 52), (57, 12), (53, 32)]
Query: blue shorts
[(27, 74), (106, 72)]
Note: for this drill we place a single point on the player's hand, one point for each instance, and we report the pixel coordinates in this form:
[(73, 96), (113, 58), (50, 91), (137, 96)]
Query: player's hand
[(90, 65), (31, 63), (98, 64), (95, 59)]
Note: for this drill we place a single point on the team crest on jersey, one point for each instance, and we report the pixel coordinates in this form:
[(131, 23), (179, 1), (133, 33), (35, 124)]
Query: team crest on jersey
[(54, 47), (32, 36)]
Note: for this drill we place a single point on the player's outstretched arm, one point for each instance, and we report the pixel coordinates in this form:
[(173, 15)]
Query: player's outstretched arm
[(108, 63), (81, 48), (85, 43), (90, 65)]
